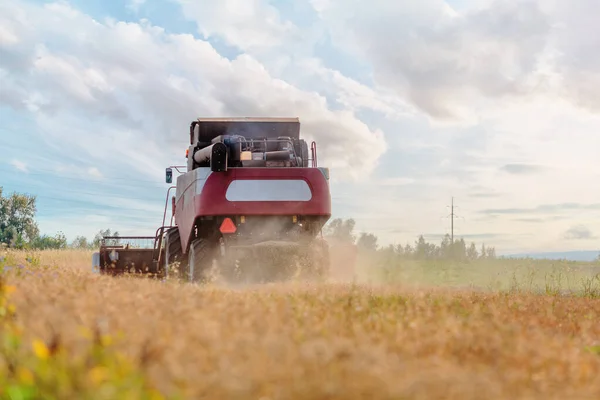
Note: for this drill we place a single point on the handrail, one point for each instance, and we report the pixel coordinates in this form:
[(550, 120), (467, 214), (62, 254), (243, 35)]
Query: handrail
[(166, 204), (126, 237), (176, 167)]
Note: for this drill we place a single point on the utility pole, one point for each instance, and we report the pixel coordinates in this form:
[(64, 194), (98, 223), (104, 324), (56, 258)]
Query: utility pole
[(452, 216), (452, 222)]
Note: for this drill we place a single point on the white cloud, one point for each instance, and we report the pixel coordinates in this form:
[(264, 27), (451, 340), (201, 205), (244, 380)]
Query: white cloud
[(356, 96), (444, 62), (148, 96), (135, 5), (7, 37), (246, 24), (19, 165), (95, 173), (285, 50), (579, 232), (456, 65), (502, 83)]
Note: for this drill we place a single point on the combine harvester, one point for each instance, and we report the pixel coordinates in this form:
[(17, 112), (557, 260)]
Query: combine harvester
[(251, 203)]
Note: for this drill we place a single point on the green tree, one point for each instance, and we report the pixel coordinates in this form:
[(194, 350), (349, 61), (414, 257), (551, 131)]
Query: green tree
[(399, 250), (446, 247), (408, 251), (472, 253), (341, 230), (483, 252), (44, 242), (17, 219), (367, 241), (459, 249), (104, 233), (80, 242), (424, 250)]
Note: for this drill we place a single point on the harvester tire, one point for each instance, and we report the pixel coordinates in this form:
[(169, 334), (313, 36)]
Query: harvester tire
[(200, 259), (173, 254)]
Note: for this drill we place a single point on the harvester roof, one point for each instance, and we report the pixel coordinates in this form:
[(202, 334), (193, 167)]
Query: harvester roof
[(249, 127)]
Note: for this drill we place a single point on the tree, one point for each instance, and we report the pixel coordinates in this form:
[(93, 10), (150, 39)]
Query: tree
[(367, 241), (408, 250), (17, 219), (472, 252), (80, 242), (483, 252), (399, 250), (424, 250), (44, 242), (101, 234), (446, 247), (341, 230), (459, 249)]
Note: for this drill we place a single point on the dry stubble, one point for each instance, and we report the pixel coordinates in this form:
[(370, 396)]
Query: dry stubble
[(326, 341)]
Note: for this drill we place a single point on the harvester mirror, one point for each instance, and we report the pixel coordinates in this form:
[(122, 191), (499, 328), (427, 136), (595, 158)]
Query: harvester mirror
[(169, 175)]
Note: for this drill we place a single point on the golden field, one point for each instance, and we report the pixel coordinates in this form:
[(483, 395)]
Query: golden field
[(70, 334)]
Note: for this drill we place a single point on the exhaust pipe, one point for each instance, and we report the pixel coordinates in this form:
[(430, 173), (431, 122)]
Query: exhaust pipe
[(215, 155)]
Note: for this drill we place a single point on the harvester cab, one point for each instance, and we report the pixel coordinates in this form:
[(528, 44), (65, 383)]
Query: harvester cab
[(249, 204)]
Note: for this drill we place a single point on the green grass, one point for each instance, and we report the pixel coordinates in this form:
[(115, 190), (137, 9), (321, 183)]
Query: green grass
[(536, 276)]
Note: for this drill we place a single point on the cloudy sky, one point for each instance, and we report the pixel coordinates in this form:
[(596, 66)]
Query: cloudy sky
[(412, 103)]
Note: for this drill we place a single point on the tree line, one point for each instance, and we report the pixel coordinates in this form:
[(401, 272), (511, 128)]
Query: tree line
[(342, 231), (19, 229)]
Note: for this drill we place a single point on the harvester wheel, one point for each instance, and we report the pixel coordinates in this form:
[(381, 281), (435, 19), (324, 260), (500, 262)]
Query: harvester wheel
[(200, 259), (173, 255)]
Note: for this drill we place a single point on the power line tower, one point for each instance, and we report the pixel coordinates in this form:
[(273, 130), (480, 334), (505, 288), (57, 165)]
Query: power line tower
[(452, 216), (452, 222)]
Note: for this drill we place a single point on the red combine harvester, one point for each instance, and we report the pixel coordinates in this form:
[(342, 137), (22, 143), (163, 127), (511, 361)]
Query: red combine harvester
[(251, 205)]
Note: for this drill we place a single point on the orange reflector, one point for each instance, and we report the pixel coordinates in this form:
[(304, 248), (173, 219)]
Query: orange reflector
[(227, 226)]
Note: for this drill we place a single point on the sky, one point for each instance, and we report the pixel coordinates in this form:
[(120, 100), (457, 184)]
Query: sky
[(412, 103)]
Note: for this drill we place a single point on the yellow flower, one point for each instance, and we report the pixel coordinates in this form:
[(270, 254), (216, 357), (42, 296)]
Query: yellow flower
[(156, 395), (106, 340), (17, 330), (97, 375), (25, 376), (86, 332), (40, 349)]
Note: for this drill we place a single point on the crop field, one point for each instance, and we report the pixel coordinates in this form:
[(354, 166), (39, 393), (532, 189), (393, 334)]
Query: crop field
[(486, 330)]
